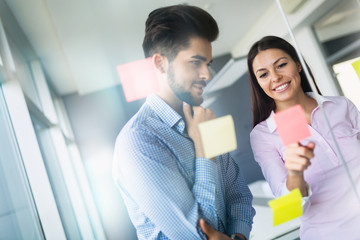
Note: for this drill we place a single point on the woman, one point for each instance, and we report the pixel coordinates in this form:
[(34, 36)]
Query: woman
[(278, 82)]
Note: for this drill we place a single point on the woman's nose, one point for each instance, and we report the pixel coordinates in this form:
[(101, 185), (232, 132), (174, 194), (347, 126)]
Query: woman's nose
[(275, 76)]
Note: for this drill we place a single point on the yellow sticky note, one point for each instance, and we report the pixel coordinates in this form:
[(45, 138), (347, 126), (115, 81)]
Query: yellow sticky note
[(218, 136), (286, 207), (356, 66)]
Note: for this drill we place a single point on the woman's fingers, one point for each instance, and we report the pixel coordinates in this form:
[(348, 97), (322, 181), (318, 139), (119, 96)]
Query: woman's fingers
[(297, 157)]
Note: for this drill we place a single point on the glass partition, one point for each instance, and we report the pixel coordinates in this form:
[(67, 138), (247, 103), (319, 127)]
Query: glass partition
[(18, 215), (338, 33), (328, 40), (56, 178)]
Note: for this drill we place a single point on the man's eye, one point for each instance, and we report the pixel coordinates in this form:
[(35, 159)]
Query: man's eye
[(196, 63)]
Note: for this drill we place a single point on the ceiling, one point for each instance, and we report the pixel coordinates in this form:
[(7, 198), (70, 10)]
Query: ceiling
[(80, 42), (340, 21)]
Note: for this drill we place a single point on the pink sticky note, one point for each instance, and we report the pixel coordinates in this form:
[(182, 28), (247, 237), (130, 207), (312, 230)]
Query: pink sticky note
[(138, 79), (291, 125)]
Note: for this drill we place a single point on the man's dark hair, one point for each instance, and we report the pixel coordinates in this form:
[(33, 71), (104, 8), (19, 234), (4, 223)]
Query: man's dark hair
[(169, 29)]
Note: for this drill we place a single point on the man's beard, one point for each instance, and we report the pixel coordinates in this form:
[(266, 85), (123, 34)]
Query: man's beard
[(179, 91)]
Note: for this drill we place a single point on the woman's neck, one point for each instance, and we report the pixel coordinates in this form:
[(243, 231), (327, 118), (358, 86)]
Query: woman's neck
[(307, 103)]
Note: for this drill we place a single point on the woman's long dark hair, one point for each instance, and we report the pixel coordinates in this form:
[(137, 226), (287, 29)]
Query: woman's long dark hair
[(262, 104)]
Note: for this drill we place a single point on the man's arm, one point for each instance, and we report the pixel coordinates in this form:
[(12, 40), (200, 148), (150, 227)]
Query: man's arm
[(238, 199), (193, 116), (150, 175)]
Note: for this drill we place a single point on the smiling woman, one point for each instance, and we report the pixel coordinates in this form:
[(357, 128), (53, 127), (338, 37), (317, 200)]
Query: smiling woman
[(275, 77), (275, 72), (278, 75)]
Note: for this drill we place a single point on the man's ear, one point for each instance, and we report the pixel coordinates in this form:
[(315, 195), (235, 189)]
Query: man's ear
[(160, 62)]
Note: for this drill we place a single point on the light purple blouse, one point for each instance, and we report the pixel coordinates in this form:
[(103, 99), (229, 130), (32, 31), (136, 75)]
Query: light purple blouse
[(332, 211)]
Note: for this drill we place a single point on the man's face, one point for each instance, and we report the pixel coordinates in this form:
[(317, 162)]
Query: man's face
[(189, 71)]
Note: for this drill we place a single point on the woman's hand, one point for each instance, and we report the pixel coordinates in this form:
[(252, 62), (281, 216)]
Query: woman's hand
[(297, 160), (297, 157)]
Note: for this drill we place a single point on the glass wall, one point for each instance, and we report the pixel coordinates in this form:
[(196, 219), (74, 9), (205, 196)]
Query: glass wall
[(56, 178), (43, 194), (338, 33), (18, 215)]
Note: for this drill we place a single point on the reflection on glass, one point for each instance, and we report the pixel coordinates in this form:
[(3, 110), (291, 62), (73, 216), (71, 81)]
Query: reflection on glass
[(57, 181), (18, 216), (338, 33), (348, 80), (336, 132)]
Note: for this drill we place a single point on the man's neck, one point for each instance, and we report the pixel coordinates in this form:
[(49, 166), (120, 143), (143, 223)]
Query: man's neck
[(173, 102)]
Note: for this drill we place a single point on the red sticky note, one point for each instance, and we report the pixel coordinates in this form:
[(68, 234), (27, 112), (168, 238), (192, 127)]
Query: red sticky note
[(138, 79), (291, 125)]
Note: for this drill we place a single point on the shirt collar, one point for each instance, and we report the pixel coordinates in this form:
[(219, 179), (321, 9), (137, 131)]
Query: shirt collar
[(320, 99), (166, 113)]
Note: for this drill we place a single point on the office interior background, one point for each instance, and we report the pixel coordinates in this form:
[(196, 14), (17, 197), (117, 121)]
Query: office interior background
[(62, 104)]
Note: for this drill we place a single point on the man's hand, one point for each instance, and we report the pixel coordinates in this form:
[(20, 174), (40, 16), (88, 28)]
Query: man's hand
[(192, 121), (211, 233)]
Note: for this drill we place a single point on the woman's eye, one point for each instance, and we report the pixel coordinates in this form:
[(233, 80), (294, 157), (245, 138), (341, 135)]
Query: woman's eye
[(263, 75), (282, 65)]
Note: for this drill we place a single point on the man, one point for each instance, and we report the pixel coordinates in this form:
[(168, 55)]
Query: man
[(159, 165)]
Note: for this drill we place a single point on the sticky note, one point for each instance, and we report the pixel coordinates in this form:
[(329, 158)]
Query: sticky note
[(218, 136), (138, 79), (356, 66), (291, 125), (287, 207)]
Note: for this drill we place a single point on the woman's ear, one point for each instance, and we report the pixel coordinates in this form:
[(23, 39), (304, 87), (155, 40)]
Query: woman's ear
[(299, 67), (159, 62)]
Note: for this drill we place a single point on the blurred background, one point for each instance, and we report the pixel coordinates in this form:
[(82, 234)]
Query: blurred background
[(62, 103)]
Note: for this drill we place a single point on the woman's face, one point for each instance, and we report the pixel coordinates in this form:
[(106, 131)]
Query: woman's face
[(278, 75)]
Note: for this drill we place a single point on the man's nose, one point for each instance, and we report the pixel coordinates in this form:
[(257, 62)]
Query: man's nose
[(205, 73)]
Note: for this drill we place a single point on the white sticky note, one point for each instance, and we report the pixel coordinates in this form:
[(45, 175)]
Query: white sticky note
[(218, 136)]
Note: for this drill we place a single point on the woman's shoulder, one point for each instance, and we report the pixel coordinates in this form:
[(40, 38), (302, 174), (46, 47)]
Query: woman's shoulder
[(264, 136), (337, 101), (261, 128), (336, 98)]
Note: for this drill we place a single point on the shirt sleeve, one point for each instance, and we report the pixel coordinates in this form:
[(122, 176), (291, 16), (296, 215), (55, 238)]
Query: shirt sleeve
[(354, 114), (149, 173), (272, 164), (304, 200), (269, 159), (240, 212)]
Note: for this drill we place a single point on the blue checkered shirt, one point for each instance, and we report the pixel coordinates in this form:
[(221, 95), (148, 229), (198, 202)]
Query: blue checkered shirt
[(167, 189)]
